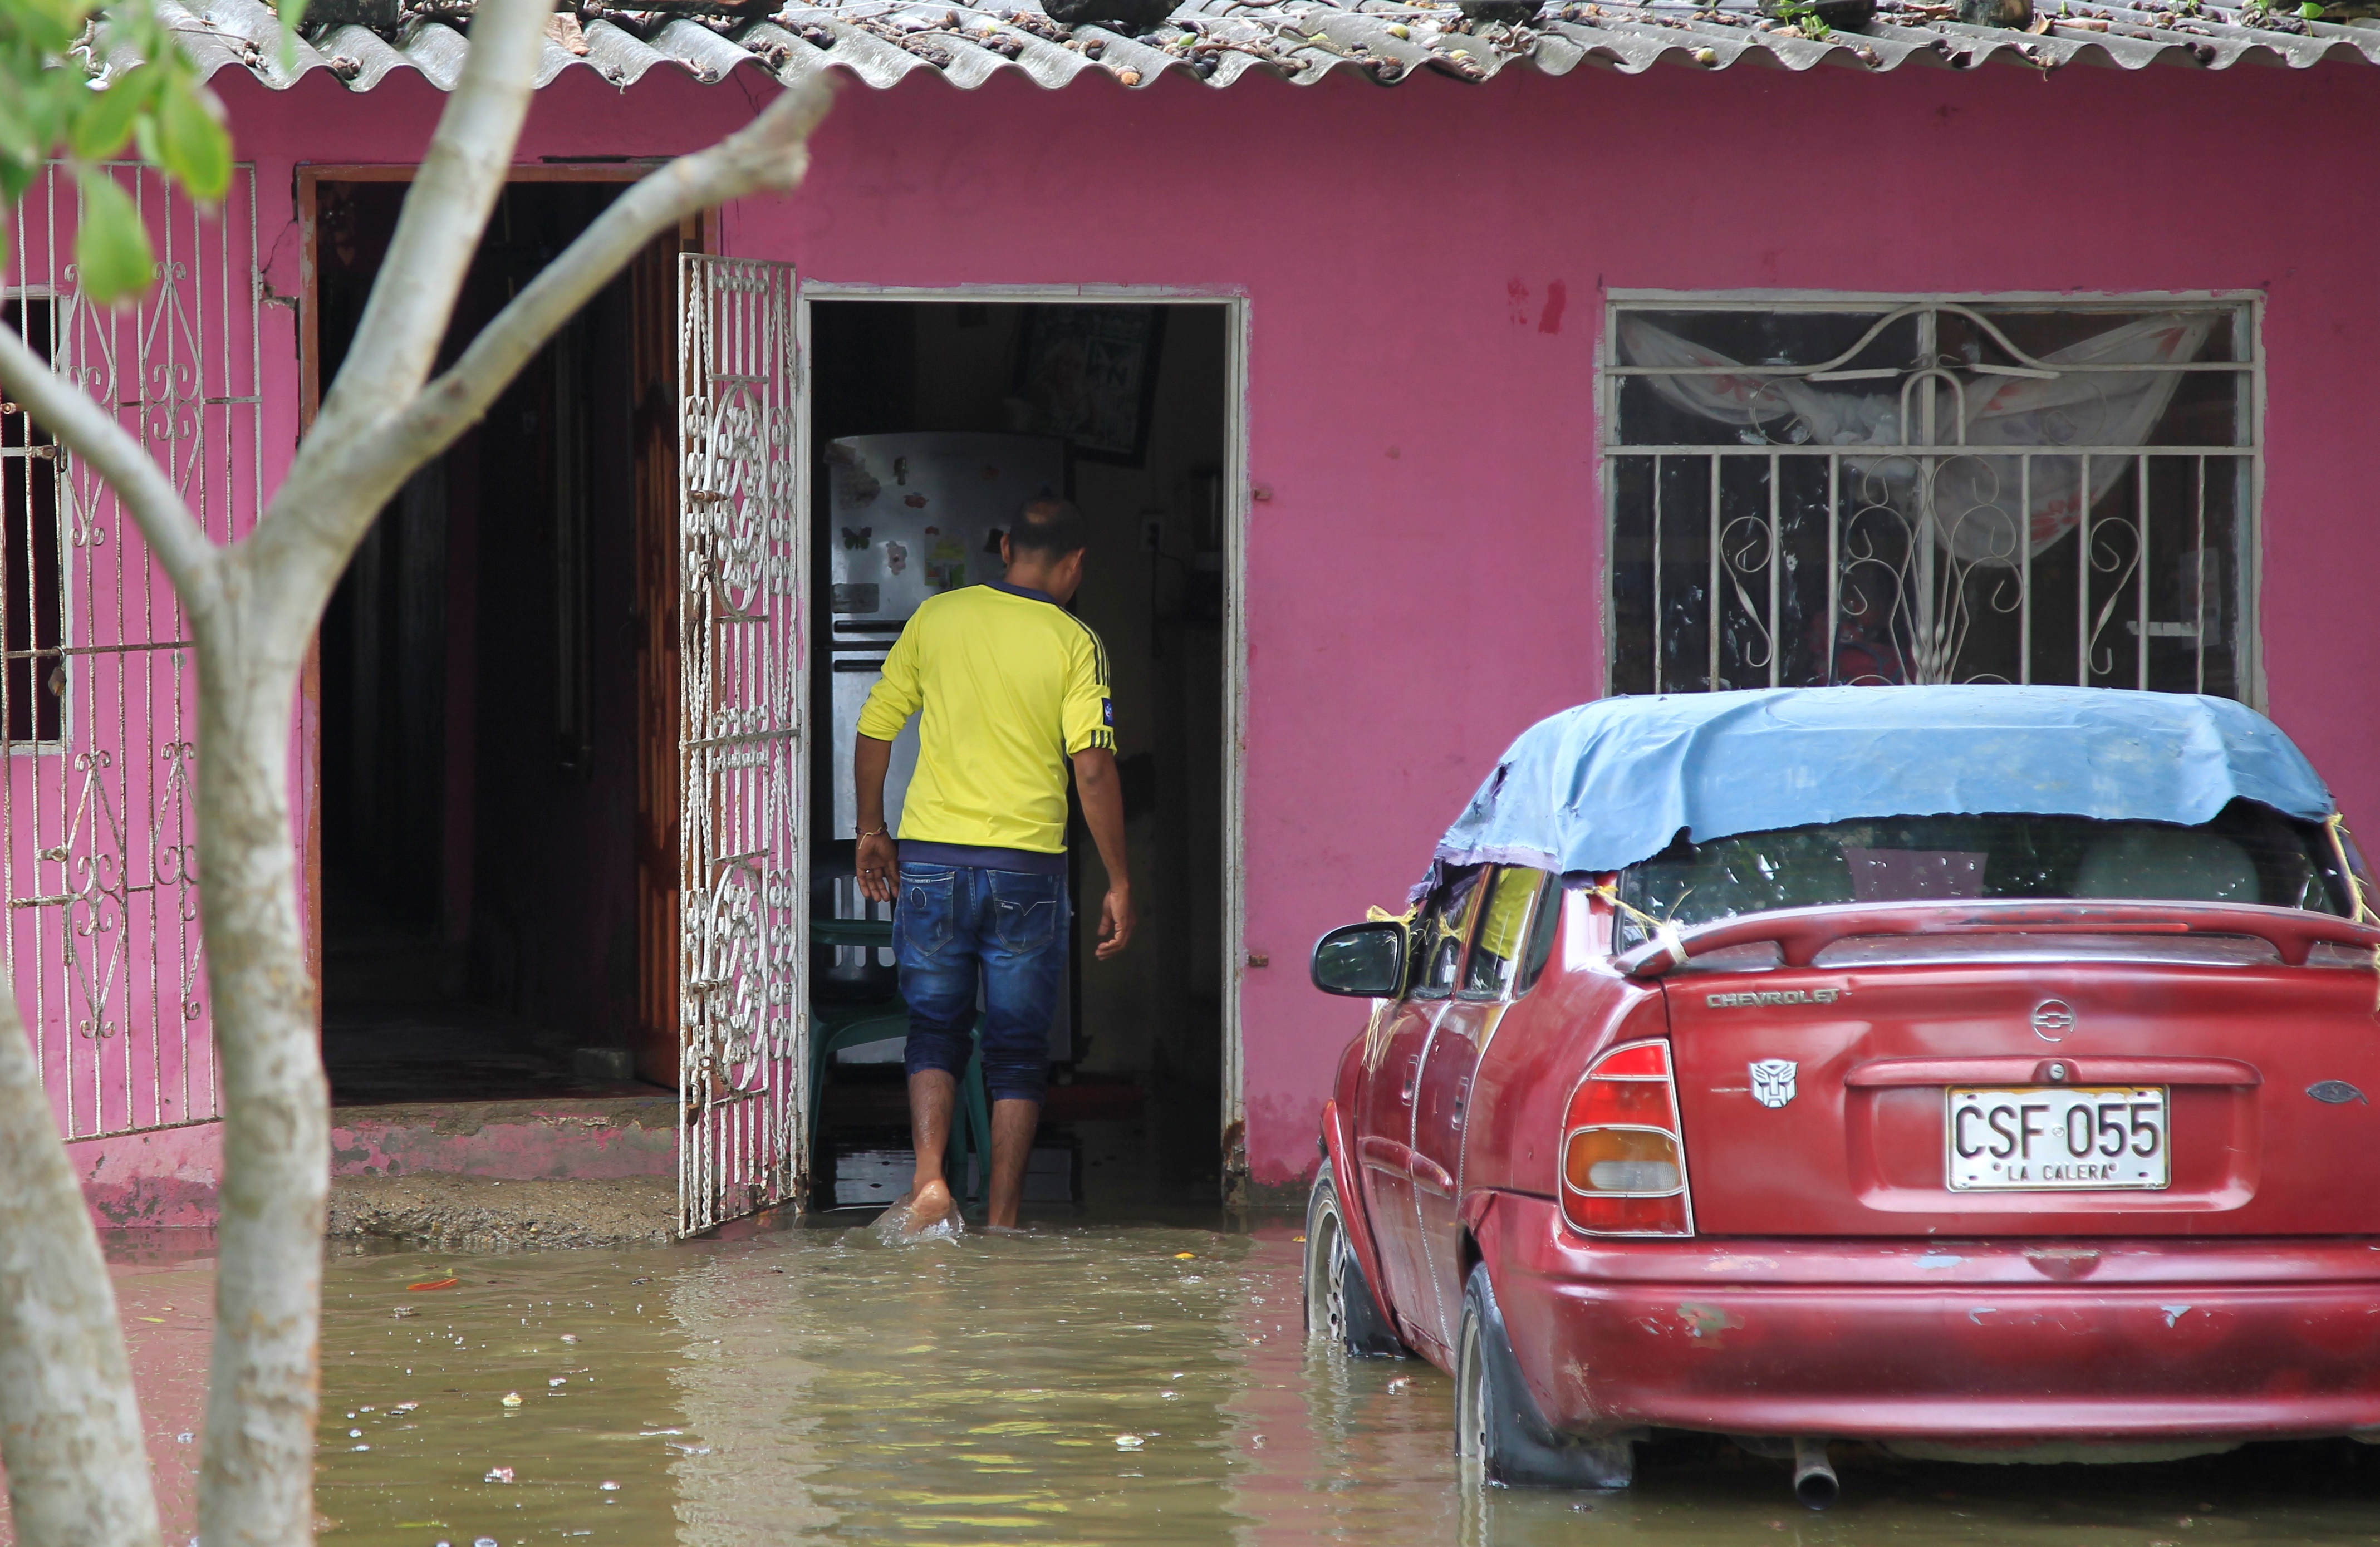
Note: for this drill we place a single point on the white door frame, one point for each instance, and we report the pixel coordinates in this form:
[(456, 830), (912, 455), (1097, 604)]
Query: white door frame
[(1235, 633)]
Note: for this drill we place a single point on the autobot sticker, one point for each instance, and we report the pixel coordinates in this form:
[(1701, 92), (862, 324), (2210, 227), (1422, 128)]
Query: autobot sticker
[(1772, 1082)]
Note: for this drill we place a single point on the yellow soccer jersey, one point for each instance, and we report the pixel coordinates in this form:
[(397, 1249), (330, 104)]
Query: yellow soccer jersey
[(1010, 685)]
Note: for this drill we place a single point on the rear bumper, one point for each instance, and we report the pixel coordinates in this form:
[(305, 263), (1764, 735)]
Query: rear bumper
[(2173, 1339)]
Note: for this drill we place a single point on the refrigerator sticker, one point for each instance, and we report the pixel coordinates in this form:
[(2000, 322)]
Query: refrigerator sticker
[(855, 598), (946, 565), (857, 538), (897, 557), (915, 502)]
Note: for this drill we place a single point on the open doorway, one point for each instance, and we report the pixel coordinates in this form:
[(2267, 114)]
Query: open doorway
[(484, 881), (930, 422)]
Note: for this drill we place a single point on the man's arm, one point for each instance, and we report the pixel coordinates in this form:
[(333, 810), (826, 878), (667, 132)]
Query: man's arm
[(879, 860), (1102, 792)]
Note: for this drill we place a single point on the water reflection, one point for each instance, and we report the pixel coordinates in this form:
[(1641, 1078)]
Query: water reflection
[(1086, 1385)]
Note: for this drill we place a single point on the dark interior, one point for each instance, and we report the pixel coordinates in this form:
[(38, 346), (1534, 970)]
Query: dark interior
[(479, 777)]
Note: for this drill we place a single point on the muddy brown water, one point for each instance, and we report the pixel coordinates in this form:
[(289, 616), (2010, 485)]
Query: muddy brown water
[(1087, 1384)]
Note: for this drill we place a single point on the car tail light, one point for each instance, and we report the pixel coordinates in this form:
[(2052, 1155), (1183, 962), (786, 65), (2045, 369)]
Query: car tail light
[(1623, 1159)]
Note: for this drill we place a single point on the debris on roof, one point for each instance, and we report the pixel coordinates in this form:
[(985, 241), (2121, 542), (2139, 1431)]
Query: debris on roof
[(882, 41)]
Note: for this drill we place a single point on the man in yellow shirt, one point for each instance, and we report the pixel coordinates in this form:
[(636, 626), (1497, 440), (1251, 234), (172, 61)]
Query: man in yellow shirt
[(1010, 686)]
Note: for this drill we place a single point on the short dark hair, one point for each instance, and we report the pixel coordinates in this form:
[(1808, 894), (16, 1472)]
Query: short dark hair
[(1053, 528)]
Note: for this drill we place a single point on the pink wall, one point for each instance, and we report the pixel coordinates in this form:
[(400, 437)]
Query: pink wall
[(1424, 267)]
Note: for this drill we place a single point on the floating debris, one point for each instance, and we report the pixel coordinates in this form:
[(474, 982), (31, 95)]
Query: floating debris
[(433, 1284), (512, 1399), (498, 1474), (1128, 1441)]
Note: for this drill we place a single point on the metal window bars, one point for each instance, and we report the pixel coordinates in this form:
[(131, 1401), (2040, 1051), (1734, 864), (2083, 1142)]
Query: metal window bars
[(1929, 491), (99, 861)]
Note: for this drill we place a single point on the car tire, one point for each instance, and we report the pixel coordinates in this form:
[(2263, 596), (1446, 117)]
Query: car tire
[(1498, 1429), (1340, 1307)]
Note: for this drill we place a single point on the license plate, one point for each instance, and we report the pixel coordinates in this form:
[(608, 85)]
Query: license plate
[(2056, 1138)]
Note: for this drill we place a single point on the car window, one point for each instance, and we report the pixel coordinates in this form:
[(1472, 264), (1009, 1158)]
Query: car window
[(1542, 931), (1503, 932), (2248, 853), (1439, 933)]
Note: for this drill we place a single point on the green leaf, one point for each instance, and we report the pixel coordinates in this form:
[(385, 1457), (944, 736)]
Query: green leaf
[(110, 249), (104, 122), (191, 141), (2310, 11), (16, 141), (292, 13)]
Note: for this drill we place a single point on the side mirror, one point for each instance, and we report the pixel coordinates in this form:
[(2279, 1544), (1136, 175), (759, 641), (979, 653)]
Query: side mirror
[(1362, 960)]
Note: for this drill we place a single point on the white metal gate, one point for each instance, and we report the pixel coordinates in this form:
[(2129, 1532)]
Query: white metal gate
[(743, 1027), (99, 694)]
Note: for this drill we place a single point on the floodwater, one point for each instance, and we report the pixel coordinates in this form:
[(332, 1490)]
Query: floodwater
[(1084, 1384)]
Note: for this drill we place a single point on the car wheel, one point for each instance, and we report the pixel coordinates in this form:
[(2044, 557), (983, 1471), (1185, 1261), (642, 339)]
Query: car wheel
[(1496, 1426), (1340, 1310)]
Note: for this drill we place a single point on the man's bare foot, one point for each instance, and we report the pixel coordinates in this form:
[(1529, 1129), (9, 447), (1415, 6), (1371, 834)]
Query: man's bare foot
[(929, 1205)]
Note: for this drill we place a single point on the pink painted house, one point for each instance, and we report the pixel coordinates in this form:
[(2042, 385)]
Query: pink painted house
[(1845, 344)]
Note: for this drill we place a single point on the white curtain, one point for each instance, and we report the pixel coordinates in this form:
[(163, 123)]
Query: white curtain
[(1975, 504)]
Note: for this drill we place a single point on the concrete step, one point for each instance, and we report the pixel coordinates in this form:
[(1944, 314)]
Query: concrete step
[(482, 1214), (601, 1138)]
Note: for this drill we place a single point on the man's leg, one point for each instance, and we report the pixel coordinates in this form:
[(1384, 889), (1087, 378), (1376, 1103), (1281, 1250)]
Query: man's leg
[(936, 950), (1023, 944), (932, 1094), (1013, 1123)]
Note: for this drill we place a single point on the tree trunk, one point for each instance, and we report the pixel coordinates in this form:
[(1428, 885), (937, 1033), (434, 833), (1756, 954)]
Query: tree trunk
[(257, 1465), (69, 1431)]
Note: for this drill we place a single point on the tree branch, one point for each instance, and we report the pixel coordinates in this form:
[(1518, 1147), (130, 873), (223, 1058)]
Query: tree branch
[(70, 1431), (437, 233), (769, 155), (91, 434)]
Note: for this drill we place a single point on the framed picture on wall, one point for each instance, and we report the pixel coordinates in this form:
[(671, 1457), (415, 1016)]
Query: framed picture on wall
[(1089, 373)]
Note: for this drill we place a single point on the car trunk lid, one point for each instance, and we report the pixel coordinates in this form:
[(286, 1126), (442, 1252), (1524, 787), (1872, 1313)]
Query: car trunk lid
[(1822, 1096)]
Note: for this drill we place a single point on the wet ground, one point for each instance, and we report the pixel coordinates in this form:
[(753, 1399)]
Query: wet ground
[(1087, 1384)]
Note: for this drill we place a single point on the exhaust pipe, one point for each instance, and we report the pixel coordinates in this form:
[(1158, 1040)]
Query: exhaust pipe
[(1814, 1483)]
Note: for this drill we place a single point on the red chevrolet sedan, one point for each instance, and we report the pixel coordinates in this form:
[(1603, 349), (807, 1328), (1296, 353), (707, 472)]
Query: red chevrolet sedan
[(1985, 1073)]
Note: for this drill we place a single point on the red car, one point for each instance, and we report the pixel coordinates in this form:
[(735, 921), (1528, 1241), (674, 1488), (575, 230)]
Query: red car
[(1983, 1072)]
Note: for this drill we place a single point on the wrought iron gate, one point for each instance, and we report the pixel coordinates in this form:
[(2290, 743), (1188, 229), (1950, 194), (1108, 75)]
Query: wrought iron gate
[(742, 1022), (99, 695)]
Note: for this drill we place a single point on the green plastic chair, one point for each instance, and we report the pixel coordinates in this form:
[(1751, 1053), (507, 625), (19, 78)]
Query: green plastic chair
[(836, 1027)]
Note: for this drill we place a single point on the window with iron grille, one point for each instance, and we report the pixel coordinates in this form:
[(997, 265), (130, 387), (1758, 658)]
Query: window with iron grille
[(1872, 491), (32, 592)]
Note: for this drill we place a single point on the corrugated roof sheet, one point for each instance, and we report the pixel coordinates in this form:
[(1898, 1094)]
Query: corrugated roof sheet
[(1220, 41)]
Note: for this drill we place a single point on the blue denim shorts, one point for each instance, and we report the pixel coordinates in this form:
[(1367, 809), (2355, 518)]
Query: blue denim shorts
[(956, 925)]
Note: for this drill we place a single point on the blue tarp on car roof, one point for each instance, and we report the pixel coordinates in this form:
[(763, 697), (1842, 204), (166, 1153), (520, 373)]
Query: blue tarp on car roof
[(1610, 783)]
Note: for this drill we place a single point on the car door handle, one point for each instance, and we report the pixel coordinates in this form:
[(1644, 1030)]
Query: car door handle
[(1429, 1176), (1413, 1077), (1403, 1160), (1385, 1154)]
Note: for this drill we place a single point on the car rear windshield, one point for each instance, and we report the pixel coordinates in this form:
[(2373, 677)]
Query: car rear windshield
[(2249, 853)]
